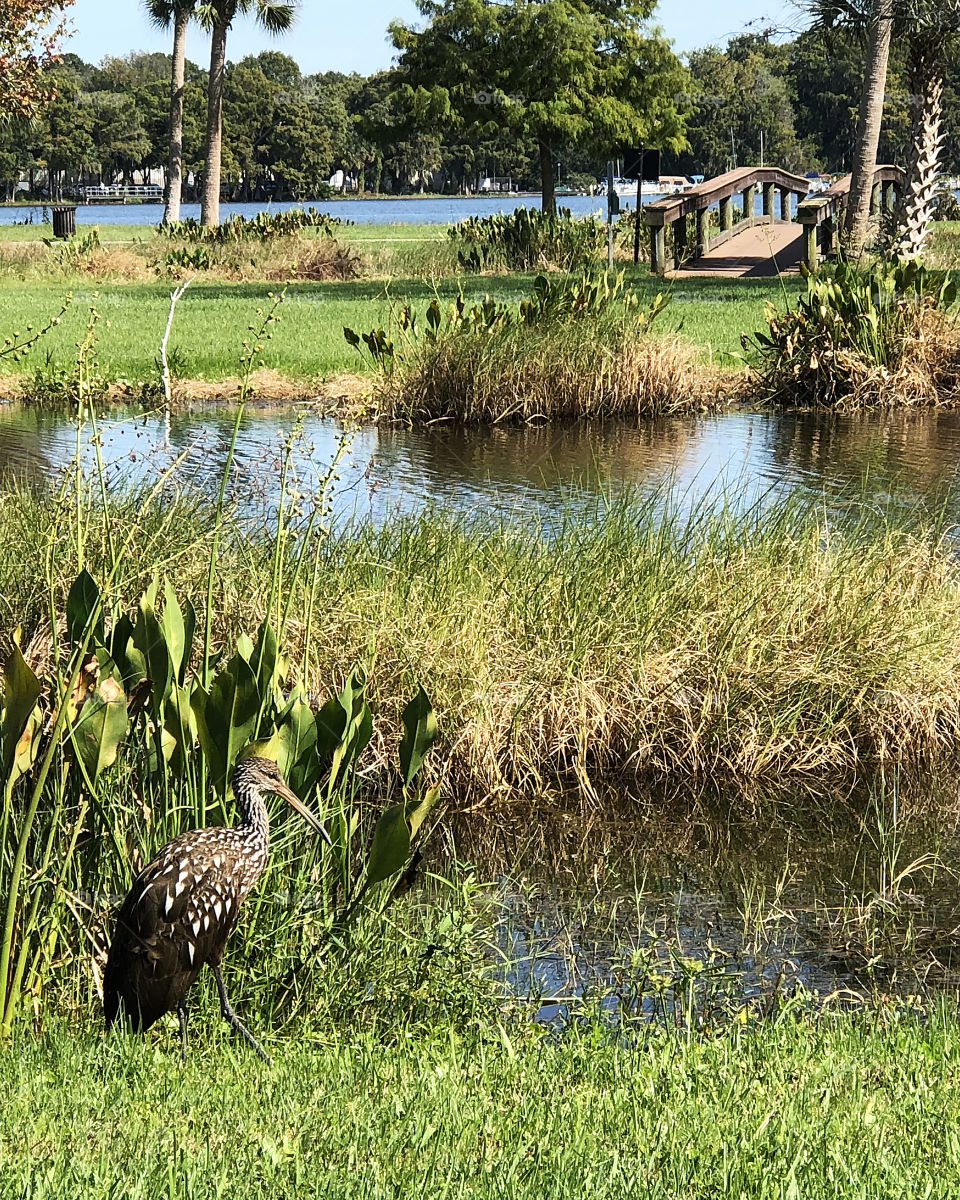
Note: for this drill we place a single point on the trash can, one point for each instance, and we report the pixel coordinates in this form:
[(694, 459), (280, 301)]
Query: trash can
[(64, 220)]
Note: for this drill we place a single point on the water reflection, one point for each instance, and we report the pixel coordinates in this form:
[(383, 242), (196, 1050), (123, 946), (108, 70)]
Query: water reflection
[(751, 895), (742, 457)]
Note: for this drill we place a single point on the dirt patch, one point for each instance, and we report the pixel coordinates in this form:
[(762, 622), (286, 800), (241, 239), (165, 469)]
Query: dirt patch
[(344, 396)]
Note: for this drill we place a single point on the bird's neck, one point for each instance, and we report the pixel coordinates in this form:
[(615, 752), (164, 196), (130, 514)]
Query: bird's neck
[(253, 813)]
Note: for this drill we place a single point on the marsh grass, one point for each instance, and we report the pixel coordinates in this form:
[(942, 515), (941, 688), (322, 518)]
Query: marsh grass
[(550, 374), (639, 639)]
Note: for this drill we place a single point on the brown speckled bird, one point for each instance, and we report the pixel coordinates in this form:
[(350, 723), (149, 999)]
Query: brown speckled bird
[(184, 905)]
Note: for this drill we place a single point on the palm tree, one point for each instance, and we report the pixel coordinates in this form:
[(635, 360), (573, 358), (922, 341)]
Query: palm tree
[(933, 29), (163, 14), (869, 118), (876, 17), (275, 17)]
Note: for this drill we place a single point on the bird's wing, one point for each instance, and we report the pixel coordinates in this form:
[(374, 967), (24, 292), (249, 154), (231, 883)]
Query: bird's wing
[(178, 914)]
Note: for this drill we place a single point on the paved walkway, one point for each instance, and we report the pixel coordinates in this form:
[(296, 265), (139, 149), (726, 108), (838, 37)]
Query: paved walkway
[(757, 253)]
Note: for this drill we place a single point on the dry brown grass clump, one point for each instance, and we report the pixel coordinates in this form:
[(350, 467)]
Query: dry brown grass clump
[(319, 260), (928, 373), (560, 373)]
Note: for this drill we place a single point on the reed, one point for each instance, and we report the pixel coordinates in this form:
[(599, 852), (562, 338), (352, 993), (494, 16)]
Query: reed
[(627, 637)]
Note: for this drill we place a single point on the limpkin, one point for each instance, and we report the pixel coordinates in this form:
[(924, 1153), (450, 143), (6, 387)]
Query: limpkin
[(184, 905)]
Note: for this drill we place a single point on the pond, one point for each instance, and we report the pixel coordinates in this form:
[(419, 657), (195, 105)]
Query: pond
[(740, 457), (718, 907), (415, 210), (658, 904)]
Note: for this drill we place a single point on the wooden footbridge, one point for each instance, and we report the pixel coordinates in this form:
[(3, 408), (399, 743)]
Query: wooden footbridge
[(792, 227)]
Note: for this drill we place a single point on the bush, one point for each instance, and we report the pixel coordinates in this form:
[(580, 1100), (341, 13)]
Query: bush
[(574, 348), (528, 240), (946, 206), (852, 333), (262, 227)]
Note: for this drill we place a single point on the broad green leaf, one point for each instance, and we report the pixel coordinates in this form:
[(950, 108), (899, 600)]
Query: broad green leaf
[(189, 630), (173, 628), (390, 847), (297, 758), (82, 600), (415, 811), (344, 727), (121, 637), (179, 727), (226, 718), (245, 647), (21, 691), (263, 660), (420, 732), (101, 723), (149, 640)]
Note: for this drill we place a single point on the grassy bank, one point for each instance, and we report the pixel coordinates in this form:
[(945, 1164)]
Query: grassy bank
[(308, 348), (129, 280), (634, 639), (837, 1106)]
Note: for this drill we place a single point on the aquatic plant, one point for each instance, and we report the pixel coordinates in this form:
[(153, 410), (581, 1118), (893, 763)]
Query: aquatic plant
[(528, 239), (859, 335), (573, 347), (262, 227)]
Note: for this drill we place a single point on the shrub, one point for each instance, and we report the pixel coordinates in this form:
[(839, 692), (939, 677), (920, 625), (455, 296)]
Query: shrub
[(528, 240), (573, 348), (850, 335), (262, 227)]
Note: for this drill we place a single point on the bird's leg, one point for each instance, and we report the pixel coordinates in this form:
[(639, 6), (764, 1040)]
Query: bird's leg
[(182, 1014), (230, 1016)]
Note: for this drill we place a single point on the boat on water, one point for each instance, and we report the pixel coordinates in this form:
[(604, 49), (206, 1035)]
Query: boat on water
[(668, 185)]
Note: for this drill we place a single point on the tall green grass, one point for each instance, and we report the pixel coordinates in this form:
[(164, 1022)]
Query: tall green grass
[(636, 637)]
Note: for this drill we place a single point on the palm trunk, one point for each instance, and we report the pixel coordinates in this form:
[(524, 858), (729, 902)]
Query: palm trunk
[(171, 211), (915, 210), (210, 205), (549, 198), (869, 118)]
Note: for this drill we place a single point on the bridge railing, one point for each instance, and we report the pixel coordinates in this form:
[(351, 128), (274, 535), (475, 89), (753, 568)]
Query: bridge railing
[(820, 215), (676, 211)]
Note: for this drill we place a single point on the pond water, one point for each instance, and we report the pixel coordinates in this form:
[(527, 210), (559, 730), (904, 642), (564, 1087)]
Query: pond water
[(741, 457), (659, 904)]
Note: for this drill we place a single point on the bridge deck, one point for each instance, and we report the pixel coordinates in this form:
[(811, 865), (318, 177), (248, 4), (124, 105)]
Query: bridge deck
[(757, 253)]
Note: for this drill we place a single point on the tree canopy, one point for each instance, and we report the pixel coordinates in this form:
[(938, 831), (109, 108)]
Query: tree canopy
[(30, 36), (582, 73)]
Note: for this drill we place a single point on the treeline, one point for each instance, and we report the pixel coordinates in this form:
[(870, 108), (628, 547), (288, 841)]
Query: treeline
[(286, 134)]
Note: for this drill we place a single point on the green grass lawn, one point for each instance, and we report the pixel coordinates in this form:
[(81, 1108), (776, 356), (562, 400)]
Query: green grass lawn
[(213, 317), (404, 264), (836, 1106)]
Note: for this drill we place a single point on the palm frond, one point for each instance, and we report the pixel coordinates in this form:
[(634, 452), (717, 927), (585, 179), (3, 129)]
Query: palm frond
[(275, 16)]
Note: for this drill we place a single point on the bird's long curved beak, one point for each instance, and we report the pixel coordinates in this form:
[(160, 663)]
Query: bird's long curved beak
[(295, 802)]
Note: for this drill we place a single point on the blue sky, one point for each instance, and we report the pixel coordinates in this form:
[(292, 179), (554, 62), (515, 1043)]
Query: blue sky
[(333, 36)]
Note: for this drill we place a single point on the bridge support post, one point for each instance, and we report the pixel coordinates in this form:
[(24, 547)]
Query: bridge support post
[(703, 231), (747, 198), (784, 204), (658, 250), (875, 200), (830, 235), (769, 193), (680, 240), (726, 214), (811, 254)]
